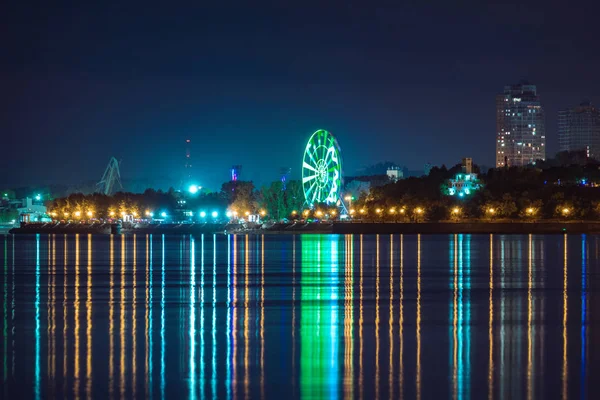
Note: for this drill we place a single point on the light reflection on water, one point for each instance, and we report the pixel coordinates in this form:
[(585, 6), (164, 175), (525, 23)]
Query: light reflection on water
[(311, 316)]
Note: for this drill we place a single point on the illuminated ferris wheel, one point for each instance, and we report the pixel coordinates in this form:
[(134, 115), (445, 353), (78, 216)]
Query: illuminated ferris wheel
[(322, 169)]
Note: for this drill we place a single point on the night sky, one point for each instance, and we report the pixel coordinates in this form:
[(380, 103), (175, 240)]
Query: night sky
[(249, 83)]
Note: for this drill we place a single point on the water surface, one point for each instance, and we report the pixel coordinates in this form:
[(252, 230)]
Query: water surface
[(302, 316)]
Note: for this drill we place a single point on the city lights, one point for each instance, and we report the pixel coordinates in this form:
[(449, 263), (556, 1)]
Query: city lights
[(228, 214), (362, 211), (491, 211), (193, 189), (306, 212), (530, 211), (202, 214), (263, 213), (319, 213), (112, 213), (352, 211), (419, 210), (456, 211), (214, 214), (38, 197), (378, 211), (402, 210), (89, 214), (78, 214), (163, 214), (392, 210), (566, 211)]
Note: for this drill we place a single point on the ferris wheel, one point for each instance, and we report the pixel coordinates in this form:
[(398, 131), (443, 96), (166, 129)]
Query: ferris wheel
[(322, 169)]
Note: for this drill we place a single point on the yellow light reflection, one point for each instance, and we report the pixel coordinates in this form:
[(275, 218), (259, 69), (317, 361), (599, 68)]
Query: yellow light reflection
[(418, 325), (134, 321), (377, 320), (360, 325), (246, 327), (391, 322), (565, 365), (401, 323), (76, 370), (65, 314), (529, 325), (111, 320), (88, 331), (262, 316), (122, 322), (491, 324), (348, 320)]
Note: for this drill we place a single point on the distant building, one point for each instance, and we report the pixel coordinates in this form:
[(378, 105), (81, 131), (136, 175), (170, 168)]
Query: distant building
[(467, 165), (33, 210), (520, 128), (579, 129), (236, 170), (427, 169), (395, 173), (464, 183)]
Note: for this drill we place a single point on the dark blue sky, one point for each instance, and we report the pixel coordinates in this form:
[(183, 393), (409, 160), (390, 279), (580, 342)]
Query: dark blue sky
[(249, 82)]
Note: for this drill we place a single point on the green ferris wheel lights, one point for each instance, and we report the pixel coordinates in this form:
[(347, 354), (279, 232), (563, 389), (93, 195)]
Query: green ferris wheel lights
[(322, 169)]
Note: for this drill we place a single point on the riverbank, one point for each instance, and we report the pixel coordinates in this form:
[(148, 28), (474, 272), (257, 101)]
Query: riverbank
[(500, 227)]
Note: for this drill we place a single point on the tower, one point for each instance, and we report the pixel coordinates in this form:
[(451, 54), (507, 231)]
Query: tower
[(520, 127)]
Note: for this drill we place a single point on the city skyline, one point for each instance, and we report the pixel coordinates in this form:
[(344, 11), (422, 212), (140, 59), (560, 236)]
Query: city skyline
[(88, 83)]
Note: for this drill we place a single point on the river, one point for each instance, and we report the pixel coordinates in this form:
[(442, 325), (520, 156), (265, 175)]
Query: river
[(301, 316)]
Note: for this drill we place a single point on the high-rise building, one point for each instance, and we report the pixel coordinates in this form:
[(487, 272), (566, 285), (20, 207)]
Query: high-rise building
[(579, 129), (520, 130)]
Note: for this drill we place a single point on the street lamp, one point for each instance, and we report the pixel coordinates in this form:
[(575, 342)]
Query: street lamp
[(202, 214), (214, 214), (456, 211), (566, 211), (90, 213)]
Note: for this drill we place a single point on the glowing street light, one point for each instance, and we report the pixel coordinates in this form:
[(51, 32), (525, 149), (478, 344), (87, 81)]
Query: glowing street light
[(247, 213), (202, 214), (352, 211), (378, 211), (228, 214), (306, 212), (193, 189), (263, 213), (392, 210), (530, 211), (402, 210), (319, 213), (491, 211), (66, 214), (294, 212), (362, 211), (456, 211), (90, 213), (163, 214), (566, 211), (419, 210), (38, 197), (111, 213), (78, 214), (214, 214)]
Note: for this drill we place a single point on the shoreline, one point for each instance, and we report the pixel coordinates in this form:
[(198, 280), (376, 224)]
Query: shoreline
[(501, 227)]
